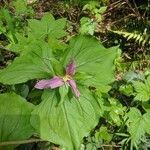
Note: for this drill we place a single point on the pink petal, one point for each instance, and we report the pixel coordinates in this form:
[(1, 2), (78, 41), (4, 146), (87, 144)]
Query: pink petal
[(74, 87), (70, 69), (52, 83)]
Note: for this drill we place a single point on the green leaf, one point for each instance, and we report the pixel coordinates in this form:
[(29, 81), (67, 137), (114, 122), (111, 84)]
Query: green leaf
[(137, 124), (14, 118), (87, 26), (68, 123), (50, 30), (115, 111), (47, 27), (32, 64), (24, 43), (102, 9), (126, 89), (142, 90), (63, 91), (103, 134), (21, 6), (93, 59), (131, 76)]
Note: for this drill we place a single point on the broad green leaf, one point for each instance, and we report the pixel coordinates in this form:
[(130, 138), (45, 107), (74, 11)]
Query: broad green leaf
[(68, 123), (47, 27), (142, 90), (32, 64), (137, 124), (91, 58), (15, 115)]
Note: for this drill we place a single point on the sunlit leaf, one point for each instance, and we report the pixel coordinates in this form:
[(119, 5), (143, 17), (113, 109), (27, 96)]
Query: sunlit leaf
[(34, 63), (93, 59), (67, 123)]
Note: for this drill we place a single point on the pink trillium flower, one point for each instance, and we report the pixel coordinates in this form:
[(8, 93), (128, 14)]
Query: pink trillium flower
[(57, 81)]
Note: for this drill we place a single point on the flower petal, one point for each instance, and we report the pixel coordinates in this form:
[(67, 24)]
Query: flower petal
[(52, 83), (70, 69), (74, 87)]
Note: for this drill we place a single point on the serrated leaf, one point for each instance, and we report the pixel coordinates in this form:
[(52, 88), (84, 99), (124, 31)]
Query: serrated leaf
[(138, 124), (92, 59), (142, 90), (68, 123), (14, 118), (34, 63)]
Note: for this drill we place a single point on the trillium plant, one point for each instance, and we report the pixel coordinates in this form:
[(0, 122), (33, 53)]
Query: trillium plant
[(58, 81), (82, 63)]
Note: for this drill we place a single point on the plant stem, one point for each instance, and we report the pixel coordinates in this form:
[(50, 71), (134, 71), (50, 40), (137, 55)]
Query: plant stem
[(20, 142)]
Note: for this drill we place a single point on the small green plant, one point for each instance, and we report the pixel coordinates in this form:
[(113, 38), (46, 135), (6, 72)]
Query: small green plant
[(96, 9), (87, 26)]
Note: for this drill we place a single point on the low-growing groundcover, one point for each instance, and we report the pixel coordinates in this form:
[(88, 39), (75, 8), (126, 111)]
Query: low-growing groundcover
[(63, 116)]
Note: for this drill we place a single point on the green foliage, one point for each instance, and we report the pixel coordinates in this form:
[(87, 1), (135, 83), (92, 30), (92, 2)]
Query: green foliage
[(8, 24), (14, 118), (87, 26), (89, 53), (142, 39), (22, 8), (132, 75), (49, 27), (138, 125), (103, 134), (96, 9), (115, 111), (95, 141), (50, 31), (34, 63), (60, 117), (12, 22), (126, 89), (142, 90)]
